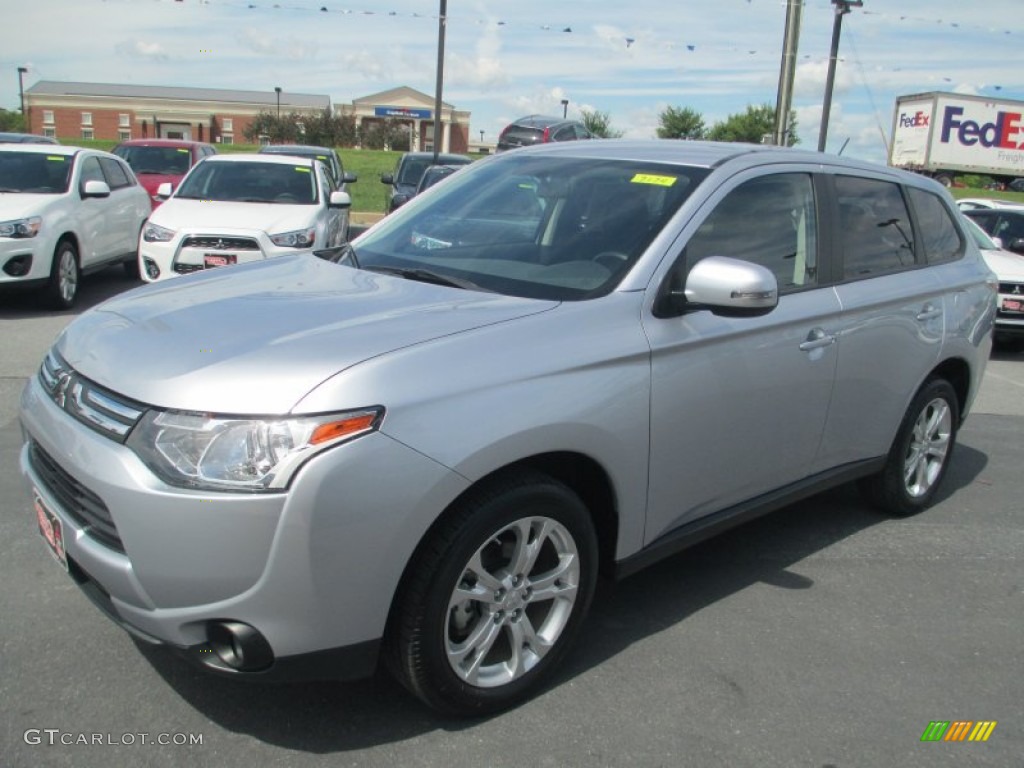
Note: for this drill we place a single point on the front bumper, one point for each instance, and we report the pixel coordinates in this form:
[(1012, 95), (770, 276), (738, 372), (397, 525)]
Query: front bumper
[(313, 570), (193, 251), (24, 261)]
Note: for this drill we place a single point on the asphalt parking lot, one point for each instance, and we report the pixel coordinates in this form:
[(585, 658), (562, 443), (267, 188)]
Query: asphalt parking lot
[(822, 635)]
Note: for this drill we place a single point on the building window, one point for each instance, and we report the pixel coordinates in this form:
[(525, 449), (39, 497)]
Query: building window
[(228, 124), (124, 135), (124, 121), (87, 133), (50, 131), (48, 116), (86, 119), (227, 138)]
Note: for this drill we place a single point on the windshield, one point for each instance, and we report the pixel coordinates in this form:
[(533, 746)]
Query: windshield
[(560, 228), (250, 182), (166, 161), (34, 172)]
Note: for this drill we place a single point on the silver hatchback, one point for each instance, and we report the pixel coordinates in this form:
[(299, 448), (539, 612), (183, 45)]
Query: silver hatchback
[(570, 359)]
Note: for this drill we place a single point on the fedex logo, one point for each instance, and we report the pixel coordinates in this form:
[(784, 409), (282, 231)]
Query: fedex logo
[(917, 120), (1006, 132)]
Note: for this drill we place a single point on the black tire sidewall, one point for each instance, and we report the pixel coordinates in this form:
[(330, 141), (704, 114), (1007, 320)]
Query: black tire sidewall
[(56, 296), (445, 690)]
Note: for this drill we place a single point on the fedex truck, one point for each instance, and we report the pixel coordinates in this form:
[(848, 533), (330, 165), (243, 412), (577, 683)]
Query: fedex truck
[(947, 134)]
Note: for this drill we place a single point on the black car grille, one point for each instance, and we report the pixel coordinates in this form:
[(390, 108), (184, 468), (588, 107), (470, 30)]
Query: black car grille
[(109, 414), (214, 243), (184, 269), (1011, 287), (87, 509)]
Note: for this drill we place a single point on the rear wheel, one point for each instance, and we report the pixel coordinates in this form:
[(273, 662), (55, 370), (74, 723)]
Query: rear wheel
[(495, 596), (945, 179), (920, 453), (62, 288)]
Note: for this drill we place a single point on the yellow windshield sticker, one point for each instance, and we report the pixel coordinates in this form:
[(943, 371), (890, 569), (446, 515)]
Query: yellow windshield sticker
[(183, 151), (56, 158), (302, 170), (650, 178)]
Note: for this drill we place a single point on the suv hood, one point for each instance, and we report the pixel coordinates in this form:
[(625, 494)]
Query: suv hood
[(1008, 266), (217, 216), (256, 338), (19, 205)]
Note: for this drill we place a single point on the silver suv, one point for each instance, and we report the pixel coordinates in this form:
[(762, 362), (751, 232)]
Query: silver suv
[(567, 359)]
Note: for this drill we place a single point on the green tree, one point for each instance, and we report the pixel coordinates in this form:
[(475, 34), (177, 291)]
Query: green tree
[(681, 123), (751, 126), (289, 128), (599, 124), (11, 120), (385, 134), (328, 129)]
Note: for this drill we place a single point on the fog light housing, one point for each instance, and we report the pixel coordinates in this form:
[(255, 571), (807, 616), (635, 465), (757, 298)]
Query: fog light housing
[(152, 270), (239, 646), (18, 266)]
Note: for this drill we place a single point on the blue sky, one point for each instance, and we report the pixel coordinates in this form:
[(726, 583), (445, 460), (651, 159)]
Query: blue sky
[(629, 58)]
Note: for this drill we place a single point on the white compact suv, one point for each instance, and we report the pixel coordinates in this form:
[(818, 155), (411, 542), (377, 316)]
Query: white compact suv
[(65, 211), (232, 209), (422, 447)]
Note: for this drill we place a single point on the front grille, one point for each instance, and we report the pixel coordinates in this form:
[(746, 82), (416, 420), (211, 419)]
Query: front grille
[(87, 509), (214, 243), (185, 269), (109, 414), (1011, 287)]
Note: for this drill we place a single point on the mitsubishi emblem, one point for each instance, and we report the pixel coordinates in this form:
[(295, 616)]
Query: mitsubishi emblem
[(60, 390)]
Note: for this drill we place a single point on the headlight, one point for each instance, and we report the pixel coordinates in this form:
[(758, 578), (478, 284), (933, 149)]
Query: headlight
[(300, 238), (151, 233), (223, 453), (21, 228)]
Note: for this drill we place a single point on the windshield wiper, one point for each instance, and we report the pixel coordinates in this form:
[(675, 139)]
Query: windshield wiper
[(426, 276)]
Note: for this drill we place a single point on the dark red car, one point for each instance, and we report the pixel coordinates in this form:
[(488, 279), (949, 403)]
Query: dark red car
[(156, 161)]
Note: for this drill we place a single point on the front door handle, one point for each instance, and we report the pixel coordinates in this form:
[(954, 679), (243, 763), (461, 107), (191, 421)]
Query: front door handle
[(817, 339), (929, 312)]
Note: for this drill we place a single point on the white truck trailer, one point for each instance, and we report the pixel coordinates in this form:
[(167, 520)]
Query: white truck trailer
[(944, 135)]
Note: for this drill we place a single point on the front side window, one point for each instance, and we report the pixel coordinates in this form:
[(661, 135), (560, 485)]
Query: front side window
[(115, 173), (91, 170), (540, 227), (939, 235), (874, 226), (771, 221)]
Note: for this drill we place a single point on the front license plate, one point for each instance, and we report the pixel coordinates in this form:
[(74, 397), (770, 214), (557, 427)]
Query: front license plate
[(1013, 305), (51, 529), (219, 259)]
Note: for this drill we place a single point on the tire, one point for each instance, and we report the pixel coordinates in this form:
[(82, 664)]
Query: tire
[(920, 454), (945, 179), (65, 275), (472, 632), (131, 269)]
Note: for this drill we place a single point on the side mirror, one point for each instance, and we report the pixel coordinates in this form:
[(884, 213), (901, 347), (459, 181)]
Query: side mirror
[(95, 188), (349, 178), (340, 199), (1016, 245), (730, 287), (996, 241), (164, 190), (387, 178)]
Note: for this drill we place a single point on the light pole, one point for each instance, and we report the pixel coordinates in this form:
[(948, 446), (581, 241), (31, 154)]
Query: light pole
[(565, 108), (481, 137), (842, 7), (21, 94), (277, 90), (442, 21), (787, 71)]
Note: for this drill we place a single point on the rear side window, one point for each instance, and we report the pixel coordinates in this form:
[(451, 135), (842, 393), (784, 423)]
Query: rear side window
[(769, 221), (875, 227), (939, 235)]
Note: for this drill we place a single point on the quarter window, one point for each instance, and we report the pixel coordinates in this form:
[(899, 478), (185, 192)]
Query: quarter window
[(769, 221), (939, 235), (875, 227)]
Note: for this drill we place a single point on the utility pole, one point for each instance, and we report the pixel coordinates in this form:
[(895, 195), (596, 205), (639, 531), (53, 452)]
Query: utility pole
[(842, 7), (787, 72), (442, 21)]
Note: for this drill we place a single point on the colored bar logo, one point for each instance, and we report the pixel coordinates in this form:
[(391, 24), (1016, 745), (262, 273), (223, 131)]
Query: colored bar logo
[(959, 730)]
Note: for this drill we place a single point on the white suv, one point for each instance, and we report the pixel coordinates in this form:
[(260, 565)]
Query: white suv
[(232, 209), (65, 211)]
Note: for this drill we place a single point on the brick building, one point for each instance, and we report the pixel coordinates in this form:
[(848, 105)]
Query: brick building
[(71, 111)]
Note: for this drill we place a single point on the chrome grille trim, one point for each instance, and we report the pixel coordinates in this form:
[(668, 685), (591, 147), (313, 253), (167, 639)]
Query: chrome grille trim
[(217, 243), (99, 409)]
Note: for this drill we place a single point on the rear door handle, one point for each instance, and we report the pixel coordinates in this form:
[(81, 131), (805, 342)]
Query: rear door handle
[(817, 339), (930, 312)]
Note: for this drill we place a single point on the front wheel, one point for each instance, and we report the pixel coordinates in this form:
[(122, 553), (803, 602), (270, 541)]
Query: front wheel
[(62, 288), (920, 453), (494, 597)]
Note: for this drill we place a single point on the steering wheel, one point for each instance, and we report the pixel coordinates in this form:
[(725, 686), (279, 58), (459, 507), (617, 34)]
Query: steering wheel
[(611, 259)]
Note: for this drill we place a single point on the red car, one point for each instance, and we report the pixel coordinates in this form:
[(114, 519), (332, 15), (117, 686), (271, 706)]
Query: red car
[(156, 161)]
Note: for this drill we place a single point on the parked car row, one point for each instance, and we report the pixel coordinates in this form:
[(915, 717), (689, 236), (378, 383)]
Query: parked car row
[(161, 207)]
